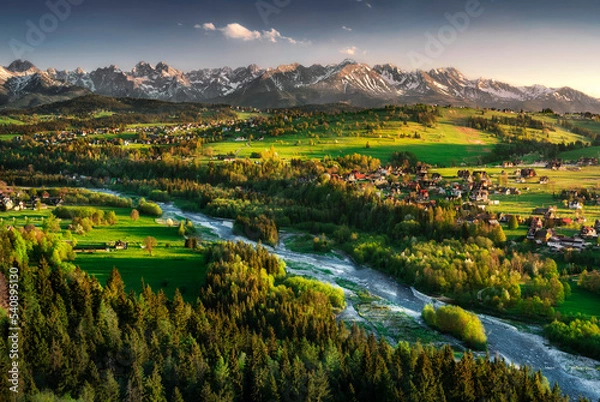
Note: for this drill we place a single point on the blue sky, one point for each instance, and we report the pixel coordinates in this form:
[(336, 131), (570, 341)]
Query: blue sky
[(523, 42)]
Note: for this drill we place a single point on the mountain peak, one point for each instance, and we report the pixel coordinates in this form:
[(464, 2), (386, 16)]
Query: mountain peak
[(293, 85), (348, 61), (21, 66), (142, 69)]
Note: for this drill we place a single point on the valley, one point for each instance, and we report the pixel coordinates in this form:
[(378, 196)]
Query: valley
[(395, 208)]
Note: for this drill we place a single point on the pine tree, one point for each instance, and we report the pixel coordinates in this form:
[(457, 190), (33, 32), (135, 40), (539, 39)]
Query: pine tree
[(153, 388)]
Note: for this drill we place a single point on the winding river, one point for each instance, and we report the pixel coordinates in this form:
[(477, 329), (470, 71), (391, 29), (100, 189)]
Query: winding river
[(574, 374)]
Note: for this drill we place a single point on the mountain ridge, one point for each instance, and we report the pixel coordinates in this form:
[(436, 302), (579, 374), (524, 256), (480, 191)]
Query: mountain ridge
[(288, 85)]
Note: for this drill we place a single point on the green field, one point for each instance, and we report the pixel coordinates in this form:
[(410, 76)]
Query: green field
[(103, 114), (444, 145), (589, 152), (581, 301), (448, 143), (169, 267), (8, 120)]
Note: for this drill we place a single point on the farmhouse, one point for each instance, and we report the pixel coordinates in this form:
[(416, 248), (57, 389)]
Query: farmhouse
[(528, 172), (588, 232), (575, 205)]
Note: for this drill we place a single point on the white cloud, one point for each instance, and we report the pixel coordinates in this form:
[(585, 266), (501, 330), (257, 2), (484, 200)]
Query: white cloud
[(345, 28), (238, 31), (273, 36), (207, 26), (350, 51)]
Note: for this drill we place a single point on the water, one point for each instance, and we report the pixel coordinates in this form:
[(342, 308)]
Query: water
[(574, 374)]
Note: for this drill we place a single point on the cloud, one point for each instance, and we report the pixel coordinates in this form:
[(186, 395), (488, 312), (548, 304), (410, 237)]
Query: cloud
[(237, 31), (345, 28), (350, 51), (240, 32), (366, 3), (207, 26)]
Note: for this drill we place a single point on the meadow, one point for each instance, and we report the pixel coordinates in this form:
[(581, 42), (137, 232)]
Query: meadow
[(581, 302), (447, 143), (170, 266)]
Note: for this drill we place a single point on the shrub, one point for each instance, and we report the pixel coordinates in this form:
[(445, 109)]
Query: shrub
[(335, 294), (459, 323), (149, 208)]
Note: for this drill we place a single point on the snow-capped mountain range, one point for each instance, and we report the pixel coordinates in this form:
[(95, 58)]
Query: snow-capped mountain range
[(23, 85)]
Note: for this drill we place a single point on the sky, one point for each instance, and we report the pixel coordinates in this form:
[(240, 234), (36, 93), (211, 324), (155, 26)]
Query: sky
[(522, 42)]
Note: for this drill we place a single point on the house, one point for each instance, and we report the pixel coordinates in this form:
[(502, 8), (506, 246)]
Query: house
[(560, 242), (555, 165), (463, 174), (588, 232), (541, 236), (575, 205), (528, 172), (479, 196), (6, 204), (548, 213), (537, 223), (121, 245), (587, 161)]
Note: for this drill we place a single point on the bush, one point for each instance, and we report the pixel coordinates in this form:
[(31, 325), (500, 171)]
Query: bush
[(582, 336), (257, 228), (335, 294), (75, 212), (459, 323), (149, 208)]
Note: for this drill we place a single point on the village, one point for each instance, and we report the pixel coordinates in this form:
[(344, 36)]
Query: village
[(474, 194)]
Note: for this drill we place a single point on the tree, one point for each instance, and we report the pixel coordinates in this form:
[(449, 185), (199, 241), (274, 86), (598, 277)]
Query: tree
[(135, 215), (150, 242), (154, 391), (181, 230), (497, 235), (513, 222), (111, 218), (51, 224)]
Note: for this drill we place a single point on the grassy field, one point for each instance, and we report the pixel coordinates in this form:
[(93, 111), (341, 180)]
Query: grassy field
[(435, 147), (447, 143), (589, 152), (103, 114), (8, 120), (581, 301), (169, 267)]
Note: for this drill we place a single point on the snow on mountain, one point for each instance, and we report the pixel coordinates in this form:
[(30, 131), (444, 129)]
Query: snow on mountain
[(289, 85)]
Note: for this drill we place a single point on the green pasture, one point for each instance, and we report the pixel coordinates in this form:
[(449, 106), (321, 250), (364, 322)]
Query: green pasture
[(169, 267), (581, 302)]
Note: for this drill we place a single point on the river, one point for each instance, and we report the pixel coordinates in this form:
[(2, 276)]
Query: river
[(575, 375)]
